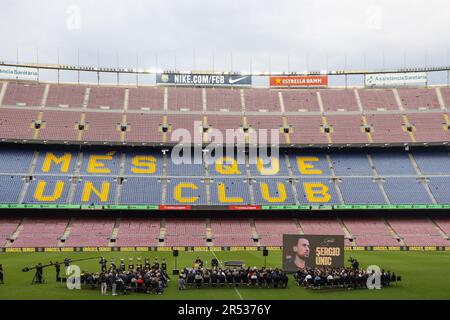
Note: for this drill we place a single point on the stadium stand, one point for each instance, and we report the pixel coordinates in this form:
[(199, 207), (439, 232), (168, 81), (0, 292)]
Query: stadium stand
[(186, 191), (7, 227), (418, 99), (335, 118), (360, 191), (182, 232), (307, 129), (377, 99), (66, 96), (444, 224), (223, 100), (111, 176), (15, 160), (149, 115), (185, 99), (24, 94), (418, 232), (90, 232), (48, 189), (271, 232), (136, 191), (300, 101), (102, 126), (145, 128), (146, 99), (235, 232), (12, 119), (370, 232), (106, 98), (145, 232), (261, 100), (10, 187), (41, 232), (139, 232), (59, 125), (339, 100)]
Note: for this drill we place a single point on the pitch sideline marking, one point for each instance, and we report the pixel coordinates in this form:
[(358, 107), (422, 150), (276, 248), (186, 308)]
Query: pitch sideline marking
[(235, 289)]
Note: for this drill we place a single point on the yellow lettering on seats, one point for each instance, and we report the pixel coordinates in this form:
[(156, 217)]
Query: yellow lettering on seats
[(266, 194), (307, 168), (50, 157), (272, 170), (178, 192), (223, 195), (89, 187), (99, 167), (316, 192), (227, 165), (143, 164), (39, 194)]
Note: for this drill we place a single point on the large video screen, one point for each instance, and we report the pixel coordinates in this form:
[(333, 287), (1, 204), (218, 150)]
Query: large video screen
[(309, 251)]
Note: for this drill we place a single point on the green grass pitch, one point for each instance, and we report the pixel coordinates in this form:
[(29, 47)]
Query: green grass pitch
[(424, 274)]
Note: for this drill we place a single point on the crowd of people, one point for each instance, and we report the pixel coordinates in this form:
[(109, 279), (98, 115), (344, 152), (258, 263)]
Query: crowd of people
[(143, 277), (350, 278), (199, 276)]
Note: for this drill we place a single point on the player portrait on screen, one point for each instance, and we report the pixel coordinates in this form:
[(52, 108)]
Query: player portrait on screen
[(301, 253)]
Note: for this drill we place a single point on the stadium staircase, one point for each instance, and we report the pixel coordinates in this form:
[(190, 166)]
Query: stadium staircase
[(114, 233), (398, 100), (299, 226), (358, 100), (3, 91), (121, 174), (208, 232), (439, 229), (378, 178), (347, 233), (254, 232), (15, 234), (335, 179), (422, 178), (440, 98), (162, 233), (62, 239), (394, 233)]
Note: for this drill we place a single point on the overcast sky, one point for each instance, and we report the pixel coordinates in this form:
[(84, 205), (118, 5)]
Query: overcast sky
[(280, 35)]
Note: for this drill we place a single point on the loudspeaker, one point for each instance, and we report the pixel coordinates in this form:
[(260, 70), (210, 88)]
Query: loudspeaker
[(175, 253), (265, 252)]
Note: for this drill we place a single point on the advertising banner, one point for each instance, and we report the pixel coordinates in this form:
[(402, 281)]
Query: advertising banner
[(309, 251), (18, 73), (193, 79), (395, 79), (299, 81)]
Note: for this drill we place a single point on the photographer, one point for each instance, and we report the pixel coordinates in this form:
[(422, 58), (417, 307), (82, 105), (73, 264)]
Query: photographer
[(103, 283), (39, 273), (214, 262), (113, 280), (57, 269), (198, 263), (198, 279), (163, 264), (122, 265), (181, 283), (102, 262)]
